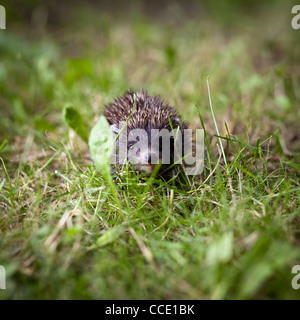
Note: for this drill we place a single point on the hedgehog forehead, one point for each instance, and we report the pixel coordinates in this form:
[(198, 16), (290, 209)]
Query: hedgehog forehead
[(149, 117), (143, 111)]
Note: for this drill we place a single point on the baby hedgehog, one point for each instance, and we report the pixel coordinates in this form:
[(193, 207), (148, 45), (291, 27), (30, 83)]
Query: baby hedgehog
[(150, 136)]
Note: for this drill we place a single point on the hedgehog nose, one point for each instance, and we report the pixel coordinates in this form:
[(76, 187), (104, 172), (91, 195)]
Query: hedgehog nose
[(150, 156)]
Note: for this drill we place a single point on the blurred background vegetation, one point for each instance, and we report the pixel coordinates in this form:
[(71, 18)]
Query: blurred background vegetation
[(82, 54), (54, 53)]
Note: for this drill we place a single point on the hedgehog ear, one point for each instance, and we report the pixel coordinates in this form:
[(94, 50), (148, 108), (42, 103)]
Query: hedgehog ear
[(114, 128)]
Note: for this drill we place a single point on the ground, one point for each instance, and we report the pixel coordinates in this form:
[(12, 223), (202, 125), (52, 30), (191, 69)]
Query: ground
[(232, 233)]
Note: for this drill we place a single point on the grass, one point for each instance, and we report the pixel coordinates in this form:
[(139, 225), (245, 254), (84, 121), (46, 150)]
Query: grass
[(232, 233)]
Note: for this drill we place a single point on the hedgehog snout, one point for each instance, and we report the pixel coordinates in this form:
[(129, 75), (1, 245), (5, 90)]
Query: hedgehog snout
[(149, 157), (148, 161)]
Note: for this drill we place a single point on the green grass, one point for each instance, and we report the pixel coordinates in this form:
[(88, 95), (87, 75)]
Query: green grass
[(232, 233)]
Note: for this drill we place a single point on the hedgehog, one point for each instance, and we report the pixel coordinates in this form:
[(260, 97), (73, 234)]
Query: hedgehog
[(149, 123)]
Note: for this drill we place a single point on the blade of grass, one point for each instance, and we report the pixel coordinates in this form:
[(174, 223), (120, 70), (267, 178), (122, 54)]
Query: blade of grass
[(215, 122)]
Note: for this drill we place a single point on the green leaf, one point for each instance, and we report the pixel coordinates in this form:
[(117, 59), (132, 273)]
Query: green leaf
[(101, 144), (74, 120)]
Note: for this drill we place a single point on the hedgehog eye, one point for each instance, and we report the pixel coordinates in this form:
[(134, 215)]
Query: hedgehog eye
[(130, 144)]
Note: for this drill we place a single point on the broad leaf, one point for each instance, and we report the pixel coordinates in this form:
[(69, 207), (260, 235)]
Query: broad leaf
[(74, 120)]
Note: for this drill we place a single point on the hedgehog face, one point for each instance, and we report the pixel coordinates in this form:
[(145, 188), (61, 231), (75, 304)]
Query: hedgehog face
[(144, 149), (143, 153), (148, 137)]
